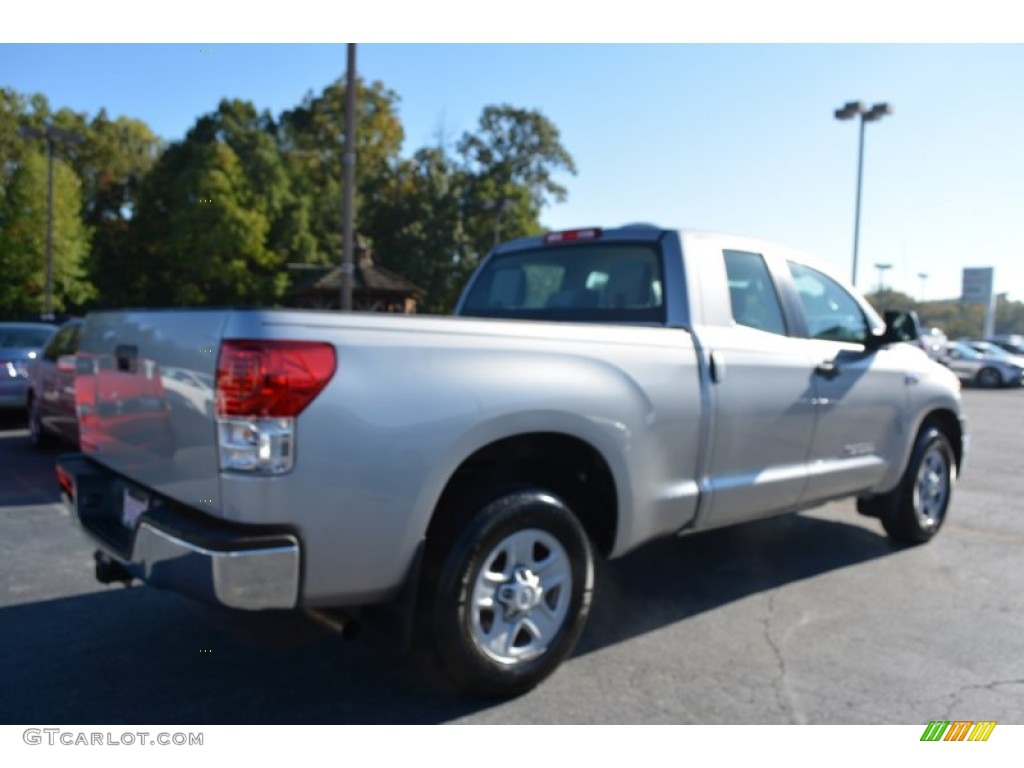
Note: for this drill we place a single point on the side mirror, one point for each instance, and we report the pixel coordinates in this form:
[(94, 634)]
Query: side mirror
[(900, 325), (66, 363)]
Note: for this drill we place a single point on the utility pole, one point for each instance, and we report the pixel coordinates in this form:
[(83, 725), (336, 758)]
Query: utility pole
[(499, 207), (349, 162), (923, 276), (52, 135)]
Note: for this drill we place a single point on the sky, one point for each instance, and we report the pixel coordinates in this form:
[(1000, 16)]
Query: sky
[(735, 137)]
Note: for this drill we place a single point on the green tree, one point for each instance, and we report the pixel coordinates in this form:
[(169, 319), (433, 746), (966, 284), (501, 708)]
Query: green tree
[(311, 138), (1009, 316), (433, 217), (112, 163), (416, 228), (23, 236), (205, 238), (511, 161)]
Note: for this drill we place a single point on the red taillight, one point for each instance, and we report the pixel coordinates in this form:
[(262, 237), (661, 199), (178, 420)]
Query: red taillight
[(66, 483), (568, 235), (275, 379)]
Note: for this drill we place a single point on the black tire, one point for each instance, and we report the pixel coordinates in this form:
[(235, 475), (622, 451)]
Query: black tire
[(989, 378), (501, 636), (37, 434), (914, 511)]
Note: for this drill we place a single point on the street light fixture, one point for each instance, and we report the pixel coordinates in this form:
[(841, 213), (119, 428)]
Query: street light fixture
[(51, 135), (850, 110), (881, 271)]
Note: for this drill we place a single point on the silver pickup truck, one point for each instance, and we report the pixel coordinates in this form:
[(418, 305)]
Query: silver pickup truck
[(598, 389)]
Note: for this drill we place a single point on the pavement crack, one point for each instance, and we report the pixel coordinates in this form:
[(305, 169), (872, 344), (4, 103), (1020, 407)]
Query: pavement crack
[(958, 693), (779, 681)]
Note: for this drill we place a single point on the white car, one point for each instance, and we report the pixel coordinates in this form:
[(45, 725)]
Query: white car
[(193, 387), (933, 342)]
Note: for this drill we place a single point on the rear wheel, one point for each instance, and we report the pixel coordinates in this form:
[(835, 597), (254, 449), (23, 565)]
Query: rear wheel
[(989, 378), (511, 596), (914, 511)]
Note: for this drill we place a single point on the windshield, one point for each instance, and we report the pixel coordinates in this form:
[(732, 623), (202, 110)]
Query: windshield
[(991, 350), (965, 352), (24, 336), (582, 282)]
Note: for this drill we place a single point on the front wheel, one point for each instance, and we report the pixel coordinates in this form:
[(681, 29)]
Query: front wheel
[(914, 511), (512, 594), (37, 433)]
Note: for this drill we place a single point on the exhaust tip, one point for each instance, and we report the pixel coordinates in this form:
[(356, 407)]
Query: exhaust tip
[(109, 570), (340, 623)]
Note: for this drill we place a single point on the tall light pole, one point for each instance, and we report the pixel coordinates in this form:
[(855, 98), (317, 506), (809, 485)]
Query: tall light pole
[(881, 271), (52, 136), (349, 161), (849, 111), (922, 276)]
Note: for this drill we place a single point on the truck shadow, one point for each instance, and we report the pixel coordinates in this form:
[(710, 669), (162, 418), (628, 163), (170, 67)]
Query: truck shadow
[(142, 656)]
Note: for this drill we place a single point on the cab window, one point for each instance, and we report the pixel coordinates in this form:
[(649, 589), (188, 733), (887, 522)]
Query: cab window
[(832, 313), (755, 303)]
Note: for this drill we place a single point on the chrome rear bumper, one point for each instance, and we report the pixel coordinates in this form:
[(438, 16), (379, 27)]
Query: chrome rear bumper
[(250, 579), (182, 549)]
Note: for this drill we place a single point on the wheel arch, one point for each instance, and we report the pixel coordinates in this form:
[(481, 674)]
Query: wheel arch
[(566, 465), (951, 426)]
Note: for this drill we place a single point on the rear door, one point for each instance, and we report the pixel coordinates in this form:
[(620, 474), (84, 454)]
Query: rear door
[(761, 392)]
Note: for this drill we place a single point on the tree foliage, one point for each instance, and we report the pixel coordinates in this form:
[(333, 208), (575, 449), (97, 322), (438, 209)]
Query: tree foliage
[(23, 237), (953, 317), (216, 217)]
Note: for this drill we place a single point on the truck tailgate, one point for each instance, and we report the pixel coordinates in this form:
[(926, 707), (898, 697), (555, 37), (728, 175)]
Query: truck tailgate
[(144, 391)]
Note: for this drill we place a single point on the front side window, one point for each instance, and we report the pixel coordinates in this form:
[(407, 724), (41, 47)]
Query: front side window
[(755, 303), (832, 313)]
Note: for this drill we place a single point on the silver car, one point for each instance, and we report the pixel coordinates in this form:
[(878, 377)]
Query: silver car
[(991, 349), (20, 346), (985, 370), (1013, 343)]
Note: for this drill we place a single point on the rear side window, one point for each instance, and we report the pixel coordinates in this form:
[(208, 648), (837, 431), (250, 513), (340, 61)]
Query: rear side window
[(582, 282), (755, 303)]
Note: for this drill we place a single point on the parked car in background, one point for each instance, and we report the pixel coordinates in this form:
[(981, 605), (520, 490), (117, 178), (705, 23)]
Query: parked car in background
[(20, 346), (994, 350), (51, 389), (1013, 343), (985, 370), (933, 341), (121, 402)]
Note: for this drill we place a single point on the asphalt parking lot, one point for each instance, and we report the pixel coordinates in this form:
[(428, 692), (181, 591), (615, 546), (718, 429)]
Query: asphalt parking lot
[(810, 618)]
